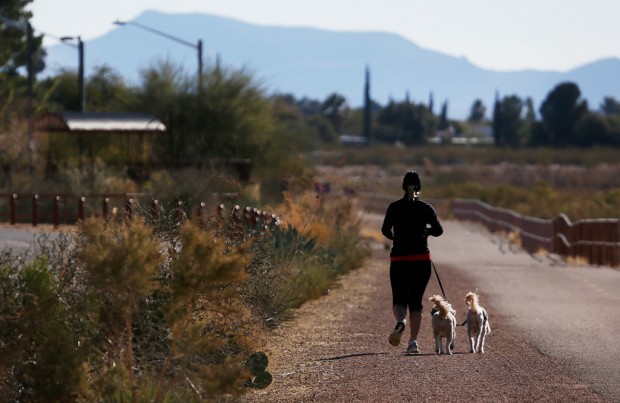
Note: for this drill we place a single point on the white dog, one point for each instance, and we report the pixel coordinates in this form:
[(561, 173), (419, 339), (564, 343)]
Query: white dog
[(477, 323), (444, 324)]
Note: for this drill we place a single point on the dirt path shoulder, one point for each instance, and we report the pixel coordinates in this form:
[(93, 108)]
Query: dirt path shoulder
[(336, 349)]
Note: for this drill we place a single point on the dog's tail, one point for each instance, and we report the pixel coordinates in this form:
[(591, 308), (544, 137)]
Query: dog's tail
[(442, 306)]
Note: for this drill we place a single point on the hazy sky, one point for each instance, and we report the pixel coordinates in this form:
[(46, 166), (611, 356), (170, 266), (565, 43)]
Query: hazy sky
[(496, 34)]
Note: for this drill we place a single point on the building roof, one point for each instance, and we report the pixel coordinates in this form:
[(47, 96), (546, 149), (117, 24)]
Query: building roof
[(90, 122)]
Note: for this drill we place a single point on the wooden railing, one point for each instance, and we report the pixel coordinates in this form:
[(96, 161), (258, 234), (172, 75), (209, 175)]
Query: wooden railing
[(61, 209), (596, 240)]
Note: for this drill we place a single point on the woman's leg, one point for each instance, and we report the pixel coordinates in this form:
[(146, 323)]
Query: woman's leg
[(400, 312), (415, 318), (421, 274), (400, 291)]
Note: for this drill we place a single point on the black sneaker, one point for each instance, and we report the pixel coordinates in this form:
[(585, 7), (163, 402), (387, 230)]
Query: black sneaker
[(394, 338)]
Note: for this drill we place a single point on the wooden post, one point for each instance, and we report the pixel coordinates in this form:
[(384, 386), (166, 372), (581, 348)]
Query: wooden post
[(13, 212), (155, 209), (81, 202), (56, 212), (34, 210), (105, 207)]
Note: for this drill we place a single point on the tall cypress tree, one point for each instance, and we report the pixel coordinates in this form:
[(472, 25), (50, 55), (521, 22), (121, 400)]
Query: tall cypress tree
[(443, 117), (367, 133), (431, 103), (497, 121)]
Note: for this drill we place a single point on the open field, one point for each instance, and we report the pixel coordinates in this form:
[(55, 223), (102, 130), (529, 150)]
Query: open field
[(540, 183)]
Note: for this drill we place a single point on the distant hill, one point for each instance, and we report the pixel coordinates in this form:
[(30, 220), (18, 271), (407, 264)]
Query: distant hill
[(315, 63)]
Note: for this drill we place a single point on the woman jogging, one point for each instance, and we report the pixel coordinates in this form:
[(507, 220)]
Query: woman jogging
[(408, 222)]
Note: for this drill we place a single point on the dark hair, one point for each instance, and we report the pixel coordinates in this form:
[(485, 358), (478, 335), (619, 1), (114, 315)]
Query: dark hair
[(412, 178)]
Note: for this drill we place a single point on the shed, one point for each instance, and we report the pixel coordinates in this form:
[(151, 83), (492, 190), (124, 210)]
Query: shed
[(117, 138)]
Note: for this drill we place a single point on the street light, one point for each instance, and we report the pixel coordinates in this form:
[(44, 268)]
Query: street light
[(80, 48), (197, 46)]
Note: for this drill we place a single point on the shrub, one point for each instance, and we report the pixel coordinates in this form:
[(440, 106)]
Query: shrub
[(160, 308)]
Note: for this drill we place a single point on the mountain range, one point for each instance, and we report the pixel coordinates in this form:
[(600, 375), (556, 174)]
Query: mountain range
[(315, 63)]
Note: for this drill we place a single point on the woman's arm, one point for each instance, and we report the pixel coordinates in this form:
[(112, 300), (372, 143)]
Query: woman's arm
[(388, 223), (434, 226)]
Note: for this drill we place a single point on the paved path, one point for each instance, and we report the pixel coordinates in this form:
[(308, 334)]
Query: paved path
[(568, 312), (16, 239)]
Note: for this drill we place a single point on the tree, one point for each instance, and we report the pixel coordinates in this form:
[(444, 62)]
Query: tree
[(14, 38), (406, 122), (107, 92), (163, 94), (335, 108), (497, 120), (528, 122), (431, 102), (507, 122), (58, 92), (561, 111), (106, 89), (477, 112), (593, 129), (443, 117), (19, 47), (367, 119), (233, 118), (610, 106), (530, 114)]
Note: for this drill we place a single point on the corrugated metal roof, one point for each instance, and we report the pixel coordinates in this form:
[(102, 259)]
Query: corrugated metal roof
[(88, 122)]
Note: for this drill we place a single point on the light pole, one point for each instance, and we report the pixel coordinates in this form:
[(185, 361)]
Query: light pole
[(80, 48), (197, 46)]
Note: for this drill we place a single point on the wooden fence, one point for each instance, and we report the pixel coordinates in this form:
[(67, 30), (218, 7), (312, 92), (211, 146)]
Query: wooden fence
[(58, 209), (596, 240), (61, 209)]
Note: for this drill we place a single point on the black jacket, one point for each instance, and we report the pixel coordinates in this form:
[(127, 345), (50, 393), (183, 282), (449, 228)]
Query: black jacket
[(408, 223)]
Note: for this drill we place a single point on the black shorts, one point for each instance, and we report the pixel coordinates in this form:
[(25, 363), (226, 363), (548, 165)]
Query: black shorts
[(409, 281)]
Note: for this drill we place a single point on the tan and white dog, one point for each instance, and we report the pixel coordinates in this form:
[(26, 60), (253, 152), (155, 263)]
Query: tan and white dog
[(477, 323), (443, 323)]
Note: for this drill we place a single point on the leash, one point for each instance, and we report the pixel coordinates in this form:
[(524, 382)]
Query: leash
[(441, 287), (439, 281)]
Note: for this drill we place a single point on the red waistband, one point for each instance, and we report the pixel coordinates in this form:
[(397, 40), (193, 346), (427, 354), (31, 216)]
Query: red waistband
[(411, 258)]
